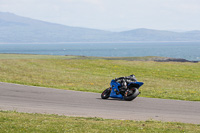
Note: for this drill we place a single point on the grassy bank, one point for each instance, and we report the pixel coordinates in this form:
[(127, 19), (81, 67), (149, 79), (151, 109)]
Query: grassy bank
[(168, 80), (23, 122)]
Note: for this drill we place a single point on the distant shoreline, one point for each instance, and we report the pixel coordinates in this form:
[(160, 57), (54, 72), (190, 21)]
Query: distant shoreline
[(101, 42), (150, 58), (184, 50)]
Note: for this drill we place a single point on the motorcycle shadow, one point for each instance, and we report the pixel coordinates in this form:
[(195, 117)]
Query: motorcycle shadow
[(111, 99)]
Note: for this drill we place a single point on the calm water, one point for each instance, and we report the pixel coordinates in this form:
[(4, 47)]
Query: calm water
[(186, 50)]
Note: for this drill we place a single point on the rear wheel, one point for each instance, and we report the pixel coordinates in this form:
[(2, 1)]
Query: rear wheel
[(106, 93), (131, 94)]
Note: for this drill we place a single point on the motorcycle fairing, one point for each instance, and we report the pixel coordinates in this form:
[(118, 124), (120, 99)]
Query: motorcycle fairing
[(136, 84), (114, 86)]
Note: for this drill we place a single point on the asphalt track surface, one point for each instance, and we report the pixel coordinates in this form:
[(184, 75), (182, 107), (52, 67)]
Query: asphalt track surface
[(85, 104)]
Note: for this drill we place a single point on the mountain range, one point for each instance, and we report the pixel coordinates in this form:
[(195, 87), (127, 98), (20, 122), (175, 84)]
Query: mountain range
[(18, 29)]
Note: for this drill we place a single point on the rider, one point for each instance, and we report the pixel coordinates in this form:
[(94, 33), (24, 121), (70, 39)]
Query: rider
[(124, 81), (130, 78)]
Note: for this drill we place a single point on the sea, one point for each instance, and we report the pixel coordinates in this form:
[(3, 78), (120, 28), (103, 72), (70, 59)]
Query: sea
[(185, 50)]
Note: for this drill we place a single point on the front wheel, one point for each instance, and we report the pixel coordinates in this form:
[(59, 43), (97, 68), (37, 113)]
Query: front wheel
[(106, 93), (131, 94)]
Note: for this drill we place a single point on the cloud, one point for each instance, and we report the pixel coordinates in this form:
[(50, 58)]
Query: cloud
[(96, 2)]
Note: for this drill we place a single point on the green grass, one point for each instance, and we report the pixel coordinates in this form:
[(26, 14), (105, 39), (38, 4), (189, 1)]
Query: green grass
[(13, 122), (169, 80)]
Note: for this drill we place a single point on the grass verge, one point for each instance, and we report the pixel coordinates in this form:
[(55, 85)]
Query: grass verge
[(13, 122), (169, 80)]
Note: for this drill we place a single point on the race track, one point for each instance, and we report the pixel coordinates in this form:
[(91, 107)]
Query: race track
[(73, 103)]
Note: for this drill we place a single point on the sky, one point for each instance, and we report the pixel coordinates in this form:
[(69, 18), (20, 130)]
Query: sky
[(115, 15)]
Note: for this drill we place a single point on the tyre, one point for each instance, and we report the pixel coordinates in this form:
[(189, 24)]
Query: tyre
[(131, 94), (106, 93)]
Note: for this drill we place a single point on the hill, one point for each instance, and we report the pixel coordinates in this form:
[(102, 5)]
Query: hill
[(160, 35), (17, 29)]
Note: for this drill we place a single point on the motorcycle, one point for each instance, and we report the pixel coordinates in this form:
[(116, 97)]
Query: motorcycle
[(126, 88)]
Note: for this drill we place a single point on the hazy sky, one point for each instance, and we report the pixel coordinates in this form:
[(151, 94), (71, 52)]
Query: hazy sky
[(111, 14)]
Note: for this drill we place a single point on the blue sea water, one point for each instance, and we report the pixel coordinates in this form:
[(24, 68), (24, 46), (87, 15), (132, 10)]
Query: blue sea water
[(186, 50)]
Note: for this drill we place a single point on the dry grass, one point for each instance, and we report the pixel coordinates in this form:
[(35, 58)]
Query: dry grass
[(13, 122)]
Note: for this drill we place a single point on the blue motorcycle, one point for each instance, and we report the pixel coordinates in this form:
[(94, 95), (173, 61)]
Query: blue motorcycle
[(126, 88)]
